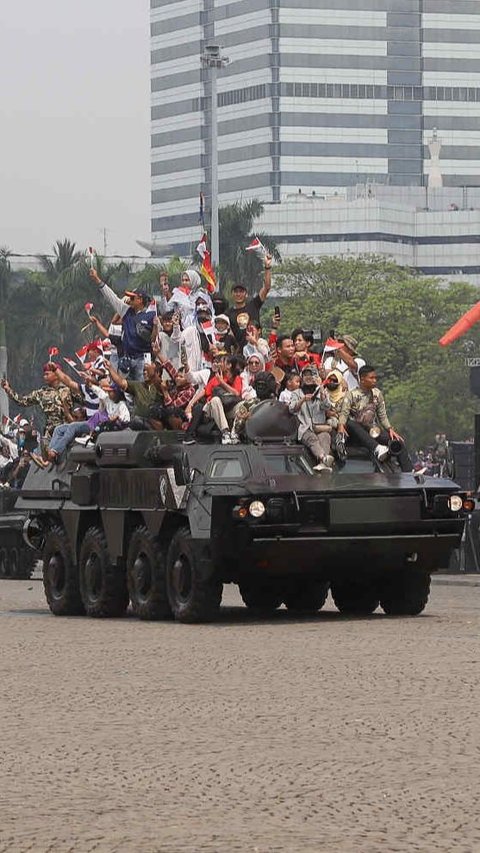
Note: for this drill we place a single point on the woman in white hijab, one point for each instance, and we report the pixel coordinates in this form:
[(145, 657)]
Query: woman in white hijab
[(183, 298), (255, 363)]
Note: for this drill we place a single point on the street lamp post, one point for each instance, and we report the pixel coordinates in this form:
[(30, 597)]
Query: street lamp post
[(213, 60)]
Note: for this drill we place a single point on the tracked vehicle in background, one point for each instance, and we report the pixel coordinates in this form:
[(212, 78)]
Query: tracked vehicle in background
[(142, 518)]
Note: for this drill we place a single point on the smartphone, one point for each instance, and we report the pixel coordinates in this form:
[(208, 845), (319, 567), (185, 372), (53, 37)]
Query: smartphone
[(276, 312)]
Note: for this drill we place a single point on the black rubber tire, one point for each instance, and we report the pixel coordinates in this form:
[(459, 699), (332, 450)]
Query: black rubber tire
[(405, 594), (307, 596), (146, 576), (354, 598), (60, 576), (192, 597), (4, 565), (103, 587), (261, 595)]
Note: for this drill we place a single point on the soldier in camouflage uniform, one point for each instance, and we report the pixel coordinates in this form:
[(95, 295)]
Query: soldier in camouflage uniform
[(54, 399)]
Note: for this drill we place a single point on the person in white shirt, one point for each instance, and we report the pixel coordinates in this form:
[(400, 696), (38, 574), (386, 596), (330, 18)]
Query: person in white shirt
[(346, 361)]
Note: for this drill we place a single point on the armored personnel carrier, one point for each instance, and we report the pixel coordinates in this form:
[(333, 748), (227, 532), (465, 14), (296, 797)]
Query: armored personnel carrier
[(141, 517), (17, 560)]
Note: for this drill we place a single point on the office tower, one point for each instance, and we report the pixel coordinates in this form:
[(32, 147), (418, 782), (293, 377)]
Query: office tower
[(319, 95)]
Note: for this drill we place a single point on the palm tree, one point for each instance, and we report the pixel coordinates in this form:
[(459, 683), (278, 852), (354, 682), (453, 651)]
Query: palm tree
[(236, 226)]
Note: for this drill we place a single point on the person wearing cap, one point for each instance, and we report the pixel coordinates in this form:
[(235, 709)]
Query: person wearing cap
[(346, 360), (53, 398), (223, 333), (243, 311), (137, 325)]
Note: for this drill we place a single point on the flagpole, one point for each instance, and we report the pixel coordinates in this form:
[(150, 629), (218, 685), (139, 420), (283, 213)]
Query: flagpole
[(213, 60)]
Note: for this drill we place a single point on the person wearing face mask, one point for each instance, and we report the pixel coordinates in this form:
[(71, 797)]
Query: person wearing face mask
[(337, 388)]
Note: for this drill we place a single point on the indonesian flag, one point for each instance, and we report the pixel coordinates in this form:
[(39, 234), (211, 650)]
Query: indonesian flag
[(331, 344), (53, 351), (71, 363), (257, 246), (151, 307), (88, 307), (90, 253), (83, 351), (207, 270)]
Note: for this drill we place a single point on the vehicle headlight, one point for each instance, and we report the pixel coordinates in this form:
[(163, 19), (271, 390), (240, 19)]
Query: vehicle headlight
[(256, 509), (455, 503)]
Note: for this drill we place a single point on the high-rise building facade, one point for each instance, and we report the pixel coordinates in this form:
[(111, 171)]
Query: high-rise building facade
[(319, 95)]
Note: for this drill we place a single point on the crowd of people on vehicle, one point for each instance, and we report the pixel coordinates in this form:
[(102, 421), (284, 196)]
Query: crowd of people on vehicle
[(187, 360)]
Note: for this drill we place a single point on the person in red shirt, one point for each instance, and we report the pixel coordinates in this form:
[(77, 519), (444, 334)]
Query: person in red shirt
[(303, 342), (223, 391)]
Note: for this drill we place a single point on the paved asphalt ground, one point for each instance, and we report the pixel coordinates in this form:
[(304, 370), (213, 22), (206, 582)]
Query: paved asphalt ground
[(320, 734)]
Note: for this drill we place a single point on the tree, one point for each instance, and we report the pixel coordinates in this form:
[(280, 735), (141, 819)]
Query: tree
[(398, 317), (236, 231)]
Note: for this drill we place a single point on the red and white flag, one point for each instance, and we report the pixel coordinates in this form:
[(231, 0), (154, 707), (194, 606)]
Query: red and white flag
[(71, 363), (90, 253), (88, 307), (257, 246), (331, 344), (207, 270), (53, 351)]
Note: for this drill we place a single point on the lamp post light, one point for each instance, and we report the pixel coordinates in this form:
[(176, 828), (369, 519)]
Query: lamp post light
[(212, 59)]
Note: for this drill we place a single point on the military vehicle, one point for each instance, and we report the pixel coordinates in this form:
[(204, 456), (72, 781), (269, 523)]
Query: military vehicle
[(17, 560), (141, 517)]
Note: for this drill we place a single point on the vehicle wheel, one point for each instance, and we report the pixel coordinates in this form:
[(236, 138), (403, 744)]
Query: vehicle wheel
[(60, 576), (306, 596), (354, 598), (4, 566), (405, 594), (194, 592), (261, 595), (103, 587), (146, 578)]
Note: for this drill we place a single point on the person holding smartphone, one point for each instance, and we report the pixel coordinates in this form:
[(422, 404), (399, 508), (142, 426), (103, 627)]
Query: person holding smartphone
[(244, 311)]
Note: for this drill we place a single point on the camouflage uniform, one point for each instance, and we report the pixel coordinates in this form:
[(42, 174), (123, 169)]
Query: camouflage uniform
[(51, 401)]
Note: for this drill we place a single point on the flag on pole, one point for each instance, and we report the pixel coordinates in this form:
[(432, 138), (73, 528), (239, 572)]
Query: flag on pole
[(257, 246), (88, 307), (332, 344), (90, 253), (207, 270), (53, 351), (83, 351)]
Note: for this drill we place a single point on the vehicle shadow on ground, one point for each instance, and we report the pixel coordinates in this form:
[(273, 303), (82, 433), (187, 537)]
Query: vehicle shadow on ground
[(242, 616)]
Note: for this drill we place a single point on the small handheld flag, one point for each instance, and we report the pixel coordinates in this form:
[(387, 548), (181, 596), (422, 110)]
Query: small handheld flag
[(53, 351), (257, 246), (90, 253), (88, 307)]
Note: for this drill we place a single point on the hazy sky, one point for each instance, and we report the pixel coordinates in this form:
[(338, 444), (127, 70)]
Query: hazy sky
[(74, 123)]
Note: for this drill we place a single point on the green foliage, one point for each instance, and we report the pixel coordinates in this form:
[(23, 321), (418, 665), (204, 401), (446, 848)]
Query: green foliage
[(236, 231), (398, 318), (396, 315)]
